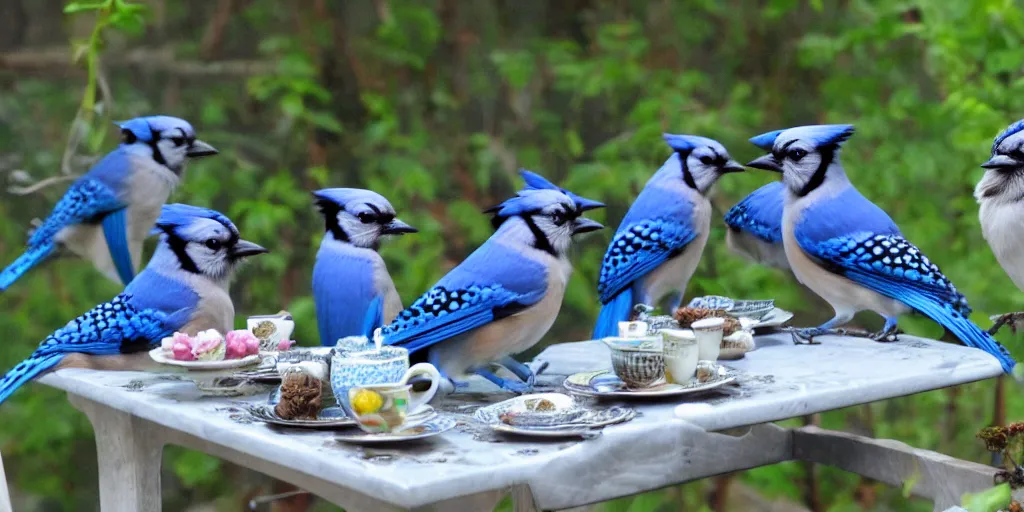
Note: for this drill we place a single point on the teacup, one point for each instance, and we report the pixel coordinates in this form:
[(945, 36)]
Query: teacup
[(282, 327), (388, 366), (709, 337), (383, 408), (681, 351), (637, 361)]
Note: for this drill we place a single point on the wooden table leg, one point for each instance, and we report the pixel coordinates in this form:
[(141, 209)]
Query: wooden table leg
[(129, 451), (5, 496)]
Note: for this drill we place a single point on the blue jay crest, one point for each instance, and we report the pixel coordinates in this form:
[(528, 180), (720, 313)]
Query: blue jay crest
[(527, 201), (145, 129), (1011, 130), (766, 141), (687, 143), (535, 181), (820, 135), (173, 216)]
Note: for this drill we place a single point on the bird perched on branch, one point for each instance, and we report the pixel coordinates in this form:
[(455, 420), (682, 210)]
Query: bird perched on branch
[(352, 289), (106, 214), (849, 252), (1000, 194), (503, 298), (755, 226), (184, 288), (659, 243)]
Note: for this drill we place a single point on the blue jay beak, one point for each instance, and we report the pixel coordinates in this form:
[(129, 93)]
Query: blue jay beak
[(732, 166), (199, 148), (397, 227), (766, 162), (1002, 162), (585, 225), (245, 248)]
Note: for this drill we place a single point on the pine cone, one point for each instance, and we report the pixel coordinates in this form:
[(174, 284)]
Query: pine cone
[(686, 316), (301, 397)]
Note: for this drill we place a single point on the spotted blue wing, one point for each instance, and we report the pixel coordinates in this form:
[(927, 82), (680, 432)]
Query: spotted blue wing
[(87, 200), (637, 250), (442, 313), (889, 265), (760, 213), (113, 327)]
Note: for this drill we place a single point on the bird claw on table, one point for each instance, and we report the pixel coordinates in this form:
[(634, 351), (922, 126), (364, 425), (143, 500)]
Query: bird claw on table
[(1011, 319), (805, 336), (886, 335)]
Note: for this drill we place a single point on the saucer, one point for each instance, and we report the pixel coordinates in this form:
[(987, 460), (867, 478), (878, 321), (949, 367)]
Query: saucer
[(157, 354), (549, 415), (429, 428), (330, 417), (605, 383)]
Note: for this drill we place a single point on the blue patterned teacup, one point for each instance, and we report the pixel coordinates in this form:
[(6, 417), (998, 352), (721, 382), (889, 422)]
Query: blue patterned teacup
[(351, 367)]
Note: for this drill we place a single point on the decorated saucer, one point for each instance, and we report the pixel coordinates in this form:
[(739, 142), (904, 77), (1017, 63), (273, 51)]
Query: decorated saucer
[(549, 415), (420, 430), (605, 383)]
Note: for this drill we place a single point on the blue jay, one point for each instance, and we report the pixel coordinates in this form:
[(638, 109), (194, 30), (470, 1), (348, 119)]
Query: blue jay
[(1000, 195), (352, 290), (755, 226), (106, 214), (658, 244), (535, 181), (849, 252), (183, 288), (503, 298)]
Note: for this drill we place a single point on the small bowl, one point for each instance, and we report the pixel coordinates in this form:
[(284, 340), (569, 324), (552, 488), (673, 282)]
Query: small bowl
[(639, 362), (755, 309), (271, 329), (736, 345), (712, 302)]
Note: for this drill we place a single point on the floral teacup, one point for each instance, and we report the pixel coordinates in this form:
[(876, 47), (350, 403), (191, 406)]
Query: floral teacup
[(389, 366), (384, 408)]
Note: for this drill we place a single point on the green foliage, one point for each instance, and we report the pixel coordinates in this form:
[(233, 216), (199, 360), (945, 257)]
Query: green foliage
[(436, 104), (992, 500)]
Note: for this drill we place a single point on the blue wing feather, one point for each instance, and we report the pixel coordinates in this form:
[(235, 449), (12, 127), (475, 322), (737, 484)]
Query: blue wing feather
[(374, 317), (473, 294), (760, 213), (117, 243), (637, 250), (87, 200)]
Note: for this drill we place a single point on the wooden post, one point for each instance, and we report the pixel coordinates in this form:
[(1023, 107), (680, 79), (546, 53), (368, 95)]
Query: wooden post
[(5, 497)]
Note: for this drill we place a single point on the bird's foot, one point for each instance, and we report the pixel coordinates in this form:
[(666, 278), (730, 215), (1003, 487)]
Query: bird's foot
[(507, 384), (886, 335), (806, 336), (1010, 319), (525, 372)]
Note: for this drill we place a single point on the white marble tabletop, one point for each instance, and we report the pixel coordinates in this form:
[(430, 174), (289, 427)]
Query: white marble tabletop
[(665, 444)]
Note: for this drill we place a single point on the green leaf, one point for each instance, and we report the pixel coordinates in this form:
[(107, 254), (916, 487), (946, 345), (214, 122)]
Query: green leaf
[(991, 500), (324, 121), (75, 7)]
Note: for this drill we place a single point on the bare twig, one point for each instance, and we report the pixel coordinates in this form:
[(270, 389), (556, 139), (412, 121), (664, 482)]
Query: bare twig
[(48, 182)]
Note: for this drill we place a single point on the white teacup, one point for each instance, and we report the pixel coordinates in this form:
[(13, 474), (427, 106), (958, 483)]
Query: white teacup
[(283, 323), (709, 337), (680, 351), (632, 329)]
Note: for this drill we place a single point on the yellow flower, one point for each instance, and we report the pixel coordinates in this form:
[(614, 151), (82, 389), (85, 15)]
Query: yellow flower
[(366, 401)]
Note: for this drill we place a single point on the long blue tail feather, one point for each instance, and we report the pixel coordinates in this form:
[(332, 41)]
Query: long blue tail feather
[(26, 261), (972, 335), (26, 371), (615, 311)]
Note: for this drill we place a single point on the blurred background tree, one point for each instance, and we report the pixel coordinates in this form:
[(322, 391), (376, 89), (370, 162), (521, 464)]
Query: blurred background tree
[(435, 104)]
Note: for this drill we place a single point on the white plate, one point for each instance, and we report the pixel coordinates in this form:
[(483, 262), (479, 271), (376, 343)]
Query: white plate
[(775, 318), (609, 385), (157, 354), (430, 428), (577, 427)]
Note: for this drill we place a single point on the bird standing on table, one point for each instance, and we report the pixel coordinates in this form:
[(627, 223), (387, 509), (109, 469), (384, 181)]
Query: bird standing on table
[(352, 289), (1000, 194), (184, 288), (106, 214), (659, 243), (849, 252), (755, 226), (503, 298)]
